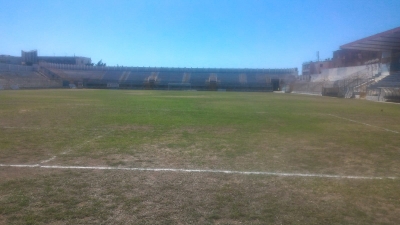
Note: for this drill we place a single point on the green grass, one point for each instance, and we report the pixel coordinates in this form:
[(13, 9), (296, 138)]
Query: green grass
[(196, 130)]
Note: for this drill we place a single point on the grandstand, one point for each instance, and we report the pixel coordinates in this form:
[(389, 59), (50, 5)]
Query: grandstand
[(26, 80), (367, 68), (161, 78), (80, 72)]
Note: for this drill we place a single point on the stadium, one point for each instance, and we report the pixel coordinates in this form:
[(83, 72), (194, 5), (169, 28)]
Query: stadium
[(367, 68), (87, 144), (81, 75)]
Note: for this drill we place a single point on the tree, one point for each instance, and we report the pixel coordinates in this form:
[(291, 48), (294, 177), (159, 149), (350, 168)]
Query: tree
[(100, 63)]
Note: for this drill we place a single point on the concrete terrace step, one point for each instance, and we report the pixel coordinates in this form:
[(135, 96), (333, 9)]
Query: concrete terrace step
[(392, 80)]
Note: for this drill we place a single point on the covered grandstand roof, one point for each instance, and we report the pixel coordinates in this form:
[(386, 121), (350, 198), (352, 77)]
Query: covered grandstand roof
[(385, 41)]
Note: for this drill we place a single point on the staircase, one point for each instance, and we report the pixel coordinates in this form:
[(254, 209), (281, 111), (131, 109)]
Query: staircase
[(50, 73), (376, 80), (349, 93), (124, 76), (349, 86)]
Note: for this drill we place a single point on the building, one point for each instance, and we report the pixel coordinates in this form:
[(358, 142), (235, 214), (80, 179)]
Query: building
[(383, 47), (72, 60), (353, 57), (309, 68), (8, 59), (31, 57)]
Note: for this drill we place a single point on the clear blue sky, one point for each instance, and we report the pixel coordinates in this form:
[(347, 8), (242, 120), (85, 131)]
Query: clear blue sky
[(192, 33)]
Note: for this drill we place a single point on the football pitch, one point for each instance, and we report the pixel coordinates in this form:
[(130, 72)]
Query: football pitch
[(191, 157)]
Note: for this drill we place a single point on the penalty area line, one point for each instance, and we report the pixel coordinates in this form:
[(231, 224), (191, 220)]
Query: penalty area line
[(366, 124), (48, 160), (197, 171)]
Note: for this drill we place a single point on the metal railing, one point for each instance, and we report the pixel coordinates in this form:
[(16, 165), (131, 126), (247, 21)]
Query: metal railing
[(14, 68)]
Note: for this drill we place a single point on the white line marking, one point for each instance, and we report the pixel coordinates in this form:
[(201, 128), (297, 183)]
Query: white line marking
[(16, 165), (82, 144), (56, 128), (48, 160), (31, 128), (76, 147), (199, 171), (365, 124)]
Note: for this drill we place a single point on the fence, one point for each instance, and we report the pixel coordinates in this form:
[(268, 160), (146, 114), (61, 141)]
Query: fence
[(14, 68), (285, 71)]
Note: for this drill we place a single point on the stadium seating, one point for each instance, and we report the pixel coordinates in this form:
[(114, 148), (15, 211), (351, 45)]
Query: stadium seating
[(161, 78), (392, 80), (304, 87), (228, 80), (199, 79), (76, 74), (26, 79), (164, 78), (137, 77), (113, 75)]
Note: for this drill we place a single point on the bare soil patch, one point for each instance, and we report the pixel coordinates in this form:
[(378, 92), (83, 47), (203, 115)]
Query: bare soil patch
[(126, 197)]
